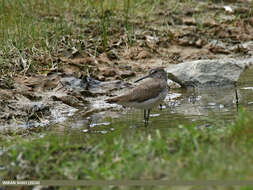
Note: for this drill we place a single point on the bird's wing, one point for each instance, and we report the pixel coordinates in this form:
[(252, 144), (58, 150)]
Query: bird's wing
[(147, 90)]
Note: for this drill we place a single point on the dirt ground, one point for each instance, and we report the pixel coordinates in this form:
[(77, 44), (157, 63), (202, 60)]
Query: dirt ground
[(118, 47)]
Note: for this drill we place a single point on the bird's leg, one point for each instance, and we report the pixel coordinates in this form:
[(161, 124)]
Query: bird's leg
[(236, 98), (145, 117), (148, 115)]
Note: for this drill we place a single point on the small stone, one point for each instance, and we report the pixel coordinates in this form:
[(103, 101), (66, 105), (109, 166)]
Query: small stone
[(101, 78), (127, 74), (199, 43), (109, 73)]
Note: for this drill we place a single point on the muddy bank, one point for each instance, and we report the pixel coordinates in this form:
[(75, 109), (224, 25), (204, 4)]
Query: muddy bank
[(42, 100), (79, 69), (52, 99)]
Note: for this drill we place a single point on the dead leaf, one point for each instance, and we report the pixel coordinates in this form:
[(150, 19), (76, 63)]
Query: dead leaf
[(189, 21), (143, 54), (103, 58)]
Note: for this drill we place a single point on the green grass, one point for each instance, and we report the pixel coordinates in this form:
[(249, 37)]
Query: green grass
[(26, 23), (37, 30), (41, 30), (181, 153), (34, 34)]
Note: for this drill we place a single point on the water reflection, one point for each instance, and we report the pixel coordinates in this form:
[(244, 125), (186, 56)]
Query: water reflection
[(203, 102), (203, 107)]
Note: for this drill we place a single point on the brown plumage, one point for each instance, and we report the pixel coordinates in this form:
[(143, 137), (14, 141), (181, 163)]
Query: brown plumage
[(140, 93), (146, 95)]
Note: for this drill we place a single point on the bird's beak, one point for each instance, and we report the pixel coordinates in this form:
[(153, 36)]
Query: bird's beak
[(142, 78)]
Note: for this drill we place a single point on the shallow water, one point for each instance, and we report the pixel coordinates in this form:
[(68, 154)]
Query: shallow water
[(201, 107)]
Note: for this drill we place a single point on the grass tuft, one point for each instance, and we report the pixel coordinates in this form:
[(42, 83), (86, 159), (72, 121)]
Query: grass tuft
[(182, 153)]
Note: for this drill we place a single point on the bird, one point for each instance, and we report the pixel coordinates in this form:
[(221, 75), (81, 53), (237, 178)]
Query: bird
[(146, 95)]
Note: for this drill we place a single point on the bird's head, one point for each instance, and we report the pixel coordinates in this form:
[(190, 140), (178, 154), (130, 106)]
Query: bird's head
[(157, 73)]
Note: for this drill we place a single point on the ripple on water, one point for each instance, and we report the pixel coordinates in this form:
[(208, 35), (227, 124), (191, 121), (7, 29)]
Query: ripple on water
[(103, 132), (204, 107), (97, 131), (155, 115), (85, 130), (99, 124), (247, 88)]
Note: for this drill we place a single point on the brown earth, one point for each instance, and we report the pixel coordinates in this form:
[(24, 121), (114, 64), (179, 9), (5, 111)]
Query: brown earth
[(207, 31)]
